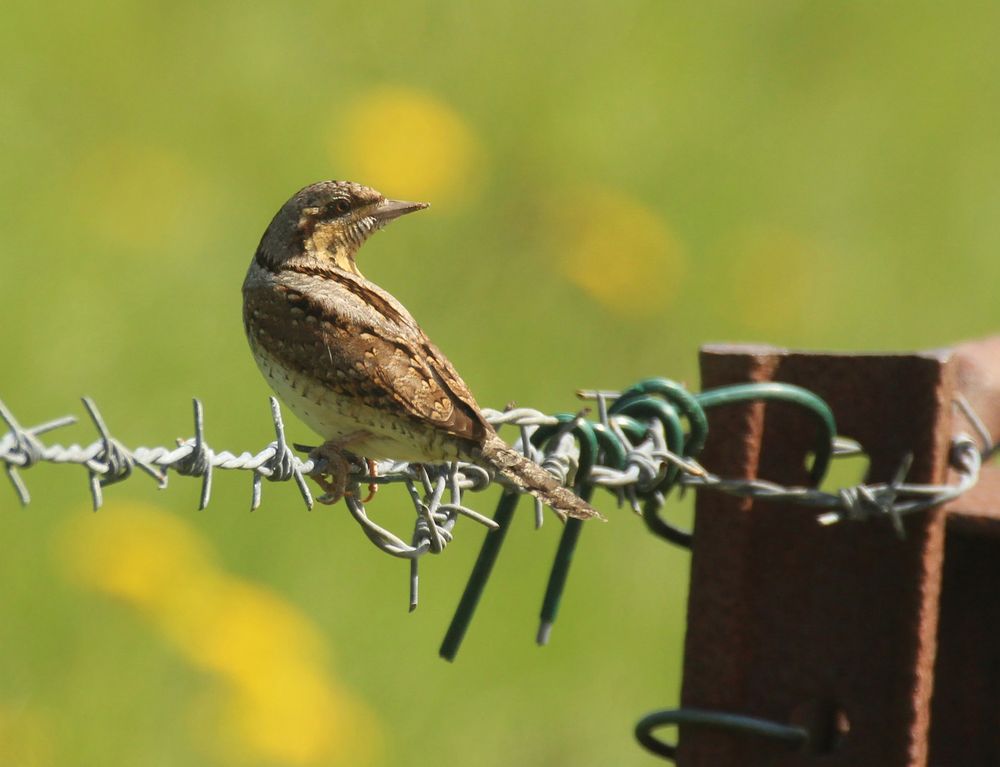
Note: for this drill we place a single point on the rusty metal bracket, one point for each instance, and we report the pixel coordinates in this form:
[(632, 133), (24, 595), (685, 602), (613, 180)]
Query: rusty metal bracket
[(882, 648)]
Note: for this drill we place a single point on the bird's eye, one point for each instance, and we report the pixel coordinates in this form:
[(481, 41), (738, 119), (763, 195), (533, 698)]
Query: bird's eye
[(339, 207)]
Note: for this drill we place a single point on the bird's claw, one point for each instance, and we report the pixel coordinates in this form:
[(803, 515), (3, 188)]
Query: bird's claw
[(372, 486), (332, 470)]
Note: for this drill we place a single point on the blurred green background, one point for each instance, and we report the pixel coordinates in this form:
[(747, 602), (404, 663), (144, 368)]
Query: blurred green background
[(614, 184)]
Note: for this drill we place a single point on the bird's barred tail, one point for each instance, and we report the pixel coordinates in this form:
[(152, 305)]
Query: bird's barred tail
[(529, 476)]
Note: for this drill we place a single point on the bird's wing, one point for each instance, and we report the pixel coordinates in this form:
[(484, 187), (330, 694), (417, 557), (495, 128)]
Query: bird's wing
[(361, 344)]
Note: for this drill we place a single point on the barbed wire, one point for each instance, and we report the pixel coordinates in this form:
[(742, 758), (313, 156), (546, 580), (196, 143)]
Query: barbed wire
[(437, 491), (894, 499)]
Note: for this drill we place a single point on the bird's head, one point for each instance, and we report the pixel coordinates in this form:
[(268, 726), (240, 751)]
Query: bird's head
[(329, 221)]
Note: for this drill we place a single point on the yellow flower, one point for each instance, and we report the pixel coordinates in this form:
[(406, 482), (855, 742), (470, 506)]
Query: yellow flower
[(615, 249), (408, 143), (275, 700)]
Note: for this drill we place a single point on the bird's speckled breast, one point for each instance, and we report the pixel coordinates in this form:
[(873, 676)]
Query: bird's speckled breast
[(334, 417)]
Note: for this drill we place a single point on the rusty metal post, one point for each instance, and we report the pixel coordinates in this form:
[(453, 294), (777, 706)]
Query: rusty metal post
[(843, 629), (966, 700)]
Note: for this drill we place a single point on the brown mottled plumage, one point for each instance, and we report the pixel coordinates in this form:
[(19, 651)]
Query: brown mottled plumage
[(350, 361)]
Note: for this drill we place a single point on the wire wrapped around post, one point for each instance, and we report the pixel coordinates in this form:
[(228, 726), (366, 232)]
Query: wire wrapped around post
[(643, 444)]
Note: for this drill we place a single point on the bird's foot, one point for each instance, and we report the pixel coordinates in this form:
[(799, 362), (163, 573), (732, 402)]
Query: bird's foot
[(334, 464), (333, 468)]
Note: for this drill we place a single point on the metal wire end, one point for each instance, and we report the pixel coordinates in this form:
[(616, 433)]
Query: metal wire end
[(414, 584), (19, 487), (989, 445), (844, 447), (424, 478), (472, 514), (113, 462), (255, 492), (428, 509), (602, 407), (888, 502), (281, 464), (198, 463), (415, 499), (24, 444), (479, 577), (596, 394), (544, 633), (559, 574)]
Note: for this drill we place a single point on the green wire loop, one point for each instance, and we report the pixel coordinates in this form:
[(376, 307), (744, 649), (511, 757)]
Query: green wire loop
[(653, 398), (795, 737), (612, 451), (683, 401), (638, 404), (645, 407), (633, 429), (659, 527), (782, 392)]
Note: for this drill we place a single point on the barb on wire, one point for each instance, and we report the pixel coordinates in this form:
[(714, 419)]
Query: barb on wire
[(643, 443), (893, 499)]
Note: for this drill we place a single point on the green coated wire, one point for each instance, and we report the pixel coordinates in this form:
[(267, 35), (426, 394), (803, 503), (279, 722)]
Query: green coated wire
[(645, 407), (727, 395), (480, 575), (686, 404), (612, 454), (782, 392), (794, 736), (589, 446), (575, 424), (612, 451), (560, 572), (683, 401), (652, 398), (493, 542), (635, 430), (659, 527)]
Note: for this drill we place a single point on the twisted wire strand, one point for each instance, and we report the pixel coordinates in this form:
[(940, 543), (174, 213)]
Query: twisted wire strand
[(437, 492), (893, 500)]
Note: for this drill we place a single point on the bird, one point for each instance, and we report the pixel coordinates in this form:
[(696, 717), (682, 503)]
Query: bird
[(350, 361)]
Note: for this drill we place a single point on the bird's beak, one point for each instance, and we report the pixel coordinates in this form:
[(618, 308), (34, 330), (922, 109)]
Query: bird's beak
[(387, 210)]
